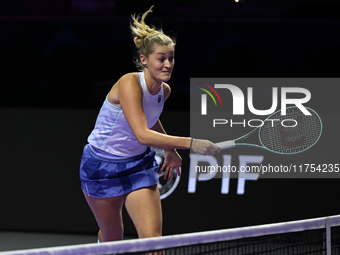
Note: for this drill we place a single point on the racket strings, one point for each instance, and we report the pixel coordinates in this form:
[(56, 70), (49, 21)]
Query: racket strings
[(295, 133)]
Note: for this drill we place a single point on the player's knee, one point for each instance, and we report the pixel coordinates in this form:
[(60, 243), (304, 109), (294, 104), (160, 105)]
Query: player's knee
[(150, 233), (112, 234)]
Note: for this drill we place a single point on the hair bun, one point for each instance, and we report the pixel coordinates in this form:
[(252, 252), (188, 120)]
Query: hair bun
[(138, 41), (140, 30)]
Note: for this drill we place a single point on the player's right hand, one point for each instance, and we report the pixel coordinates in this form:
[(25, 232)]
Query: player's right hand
[(204, 147)]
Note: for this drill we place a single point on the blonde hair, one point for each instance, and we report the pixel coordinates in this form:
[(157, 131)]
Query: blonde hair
[(147, 38)]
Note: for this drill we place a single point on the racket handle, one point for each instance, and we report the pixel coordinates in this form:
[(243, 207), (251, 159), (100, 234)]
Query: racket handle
[(226, 144)]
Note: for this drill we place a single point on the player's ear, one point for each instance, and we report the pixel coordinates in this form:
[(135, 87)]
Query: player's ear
[(143, 60)]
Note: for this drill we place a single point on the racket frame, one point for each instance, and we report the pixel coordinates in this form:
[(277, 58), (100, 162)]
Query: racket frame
[(233, 143)]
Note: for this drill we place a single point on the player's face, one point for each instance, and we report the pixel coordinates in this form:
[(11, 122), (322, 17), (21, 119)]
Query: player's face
[(161, 62)]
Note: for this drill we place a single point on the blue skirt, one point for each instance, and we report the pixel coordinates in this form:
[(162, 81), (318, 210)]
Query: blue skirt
[(102, 177)]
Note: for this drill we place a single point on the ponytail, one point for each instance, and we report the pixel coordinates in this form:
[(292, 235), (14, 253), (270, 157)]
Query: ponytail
[(147, 38)]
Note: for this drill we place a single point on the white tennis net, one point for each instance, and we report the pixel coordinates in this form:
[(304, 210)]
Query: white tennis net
[(312, 236)]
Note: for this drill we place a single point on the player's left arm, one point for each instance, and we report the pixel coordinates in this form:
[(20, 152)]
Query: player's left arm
[(171, 157)]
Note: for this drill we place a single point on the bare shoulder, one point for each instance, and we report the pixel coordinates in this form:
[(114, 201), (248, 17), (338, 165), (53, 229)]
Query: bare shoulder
[(129, 78), (166, 90), (126, 84)]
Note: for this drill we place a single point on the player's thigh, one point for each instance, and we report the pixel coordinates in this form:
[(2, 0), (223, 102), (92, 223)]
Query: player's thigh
[(108, 214), (144, 208)]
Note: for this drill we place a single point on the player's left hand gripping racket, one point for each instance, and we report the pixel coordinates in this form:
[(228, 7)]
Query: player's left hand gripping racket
[(292, 133), (165, 187)]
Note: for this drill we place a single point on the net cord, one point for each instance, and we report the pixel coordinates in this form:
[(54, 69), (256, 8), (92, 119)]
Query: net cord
[(159, 243)]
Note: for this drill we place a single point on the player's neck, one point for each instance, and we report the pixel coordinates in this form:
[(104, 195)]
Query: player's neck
[(152, 85)]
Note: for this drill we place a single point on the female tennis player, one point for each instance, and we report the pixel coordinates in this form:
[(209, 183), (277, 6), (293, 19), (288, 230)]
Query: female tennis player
[(118, 166)]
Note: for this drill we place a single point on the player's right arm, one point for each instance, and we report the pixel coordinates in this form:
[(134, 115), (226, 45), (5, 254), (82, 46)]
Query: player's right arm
[(129, 95)]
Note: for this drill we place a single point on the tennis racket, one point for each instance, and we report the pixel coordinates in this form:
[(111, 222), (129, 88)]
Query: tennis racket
[(298, 133), (165, 187)]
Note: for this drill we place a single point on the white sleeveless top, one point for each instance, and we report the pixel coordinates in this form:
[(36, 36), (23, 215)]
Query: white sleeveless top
[(112, 133)]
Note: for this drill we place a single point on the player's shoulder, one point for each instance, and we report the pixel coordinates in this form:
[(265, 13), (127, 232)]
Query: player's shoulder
[(166, 90), (129, 81), (130, 77), (166, 87)]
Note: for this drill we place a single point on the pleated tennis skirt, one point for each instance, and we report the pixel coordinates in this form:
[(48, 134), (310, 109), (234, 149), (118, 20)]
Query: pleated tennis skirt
[(103, 177)]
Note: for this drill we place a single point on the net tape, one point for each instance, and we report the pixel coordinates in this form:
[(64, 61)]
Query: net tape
[(181, 240)]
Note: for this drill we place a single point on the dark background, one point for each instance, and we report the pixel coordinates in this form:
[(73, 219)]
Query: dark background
[(58, 59)]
